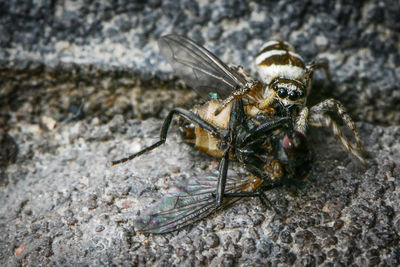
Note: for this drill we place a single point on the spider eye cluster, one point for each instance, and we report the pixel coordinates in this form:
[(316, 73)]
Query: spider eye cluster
[(283, 93)]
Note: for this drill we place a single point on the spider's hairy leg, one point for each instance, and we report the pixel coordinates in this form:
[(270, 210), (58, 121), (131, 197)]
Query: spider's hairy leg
[(319, 64), (251, 88), (324, 120), (237, 94), (302, 121), (318, 118), (334, 105), (267, 101), (190, 116)]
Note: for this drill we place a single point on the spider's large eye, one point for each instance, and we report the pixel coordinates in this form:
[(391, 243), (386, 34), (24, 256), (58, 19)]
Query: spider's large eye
[(282, 93), (293, 95)]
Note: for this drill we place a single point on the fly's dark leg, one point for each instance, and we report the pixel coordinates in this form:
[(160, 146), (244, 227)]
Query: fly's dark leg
[(263, 198), (222, 172), (237, 118), (242, 194), (265, 128), (259, 193), (265, 201), (190, 116), (149, 148)]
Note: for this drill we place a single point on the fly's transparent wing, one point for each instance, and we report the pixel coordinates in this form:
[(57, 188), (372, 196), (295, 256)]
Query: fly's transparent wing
[(199, 68), (190, 201)]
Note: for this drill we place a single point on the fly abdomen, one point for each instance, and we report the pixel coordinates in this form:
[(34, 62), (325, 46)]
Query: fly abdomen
[(202, 139), (278, 59)]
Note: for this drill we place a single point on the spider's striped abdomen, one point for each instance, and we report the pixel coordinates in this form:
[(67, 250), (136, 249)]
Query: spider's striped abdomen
[(278, 59)]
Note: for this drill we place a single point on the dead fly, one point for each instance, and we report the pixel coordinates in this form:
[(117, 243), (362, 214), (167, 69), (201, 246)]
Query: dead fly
[(237, 132), (192, 200)]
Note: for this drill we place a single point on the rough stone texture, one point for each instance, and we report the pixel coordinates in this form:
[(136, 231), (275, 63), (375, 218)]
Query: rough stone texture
[(82, 83)]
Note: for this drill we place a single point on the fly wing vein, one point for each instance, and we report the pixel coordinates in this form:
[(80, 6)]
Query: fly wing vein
[(198, 67), (194, 200)]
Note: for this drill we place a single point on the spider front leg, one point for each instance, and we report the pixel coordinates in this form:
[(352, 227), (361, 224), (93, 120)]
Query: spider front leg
[(317, 117), (251, 89), (319, 64), (302, 121)]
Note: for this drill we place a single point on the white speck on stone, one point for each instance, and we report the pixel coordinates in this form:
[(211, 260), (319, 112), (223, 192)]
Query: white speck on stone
[(321, 41)]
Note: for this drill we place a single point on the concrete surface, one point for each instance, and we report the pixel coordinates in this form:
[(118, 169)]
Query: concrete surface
[(83, 84)]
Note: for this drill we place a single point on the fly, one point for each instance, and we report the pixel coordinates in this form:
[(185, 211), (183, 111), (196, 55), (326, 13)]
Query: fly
[(233, 133), (191, 201), (195, 199)]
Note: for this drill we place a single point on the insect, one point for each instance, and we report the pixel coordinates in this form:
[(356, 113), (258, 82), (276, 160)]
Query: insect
[(267, 148), (231, 134), (190, 201), (194, 199)]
